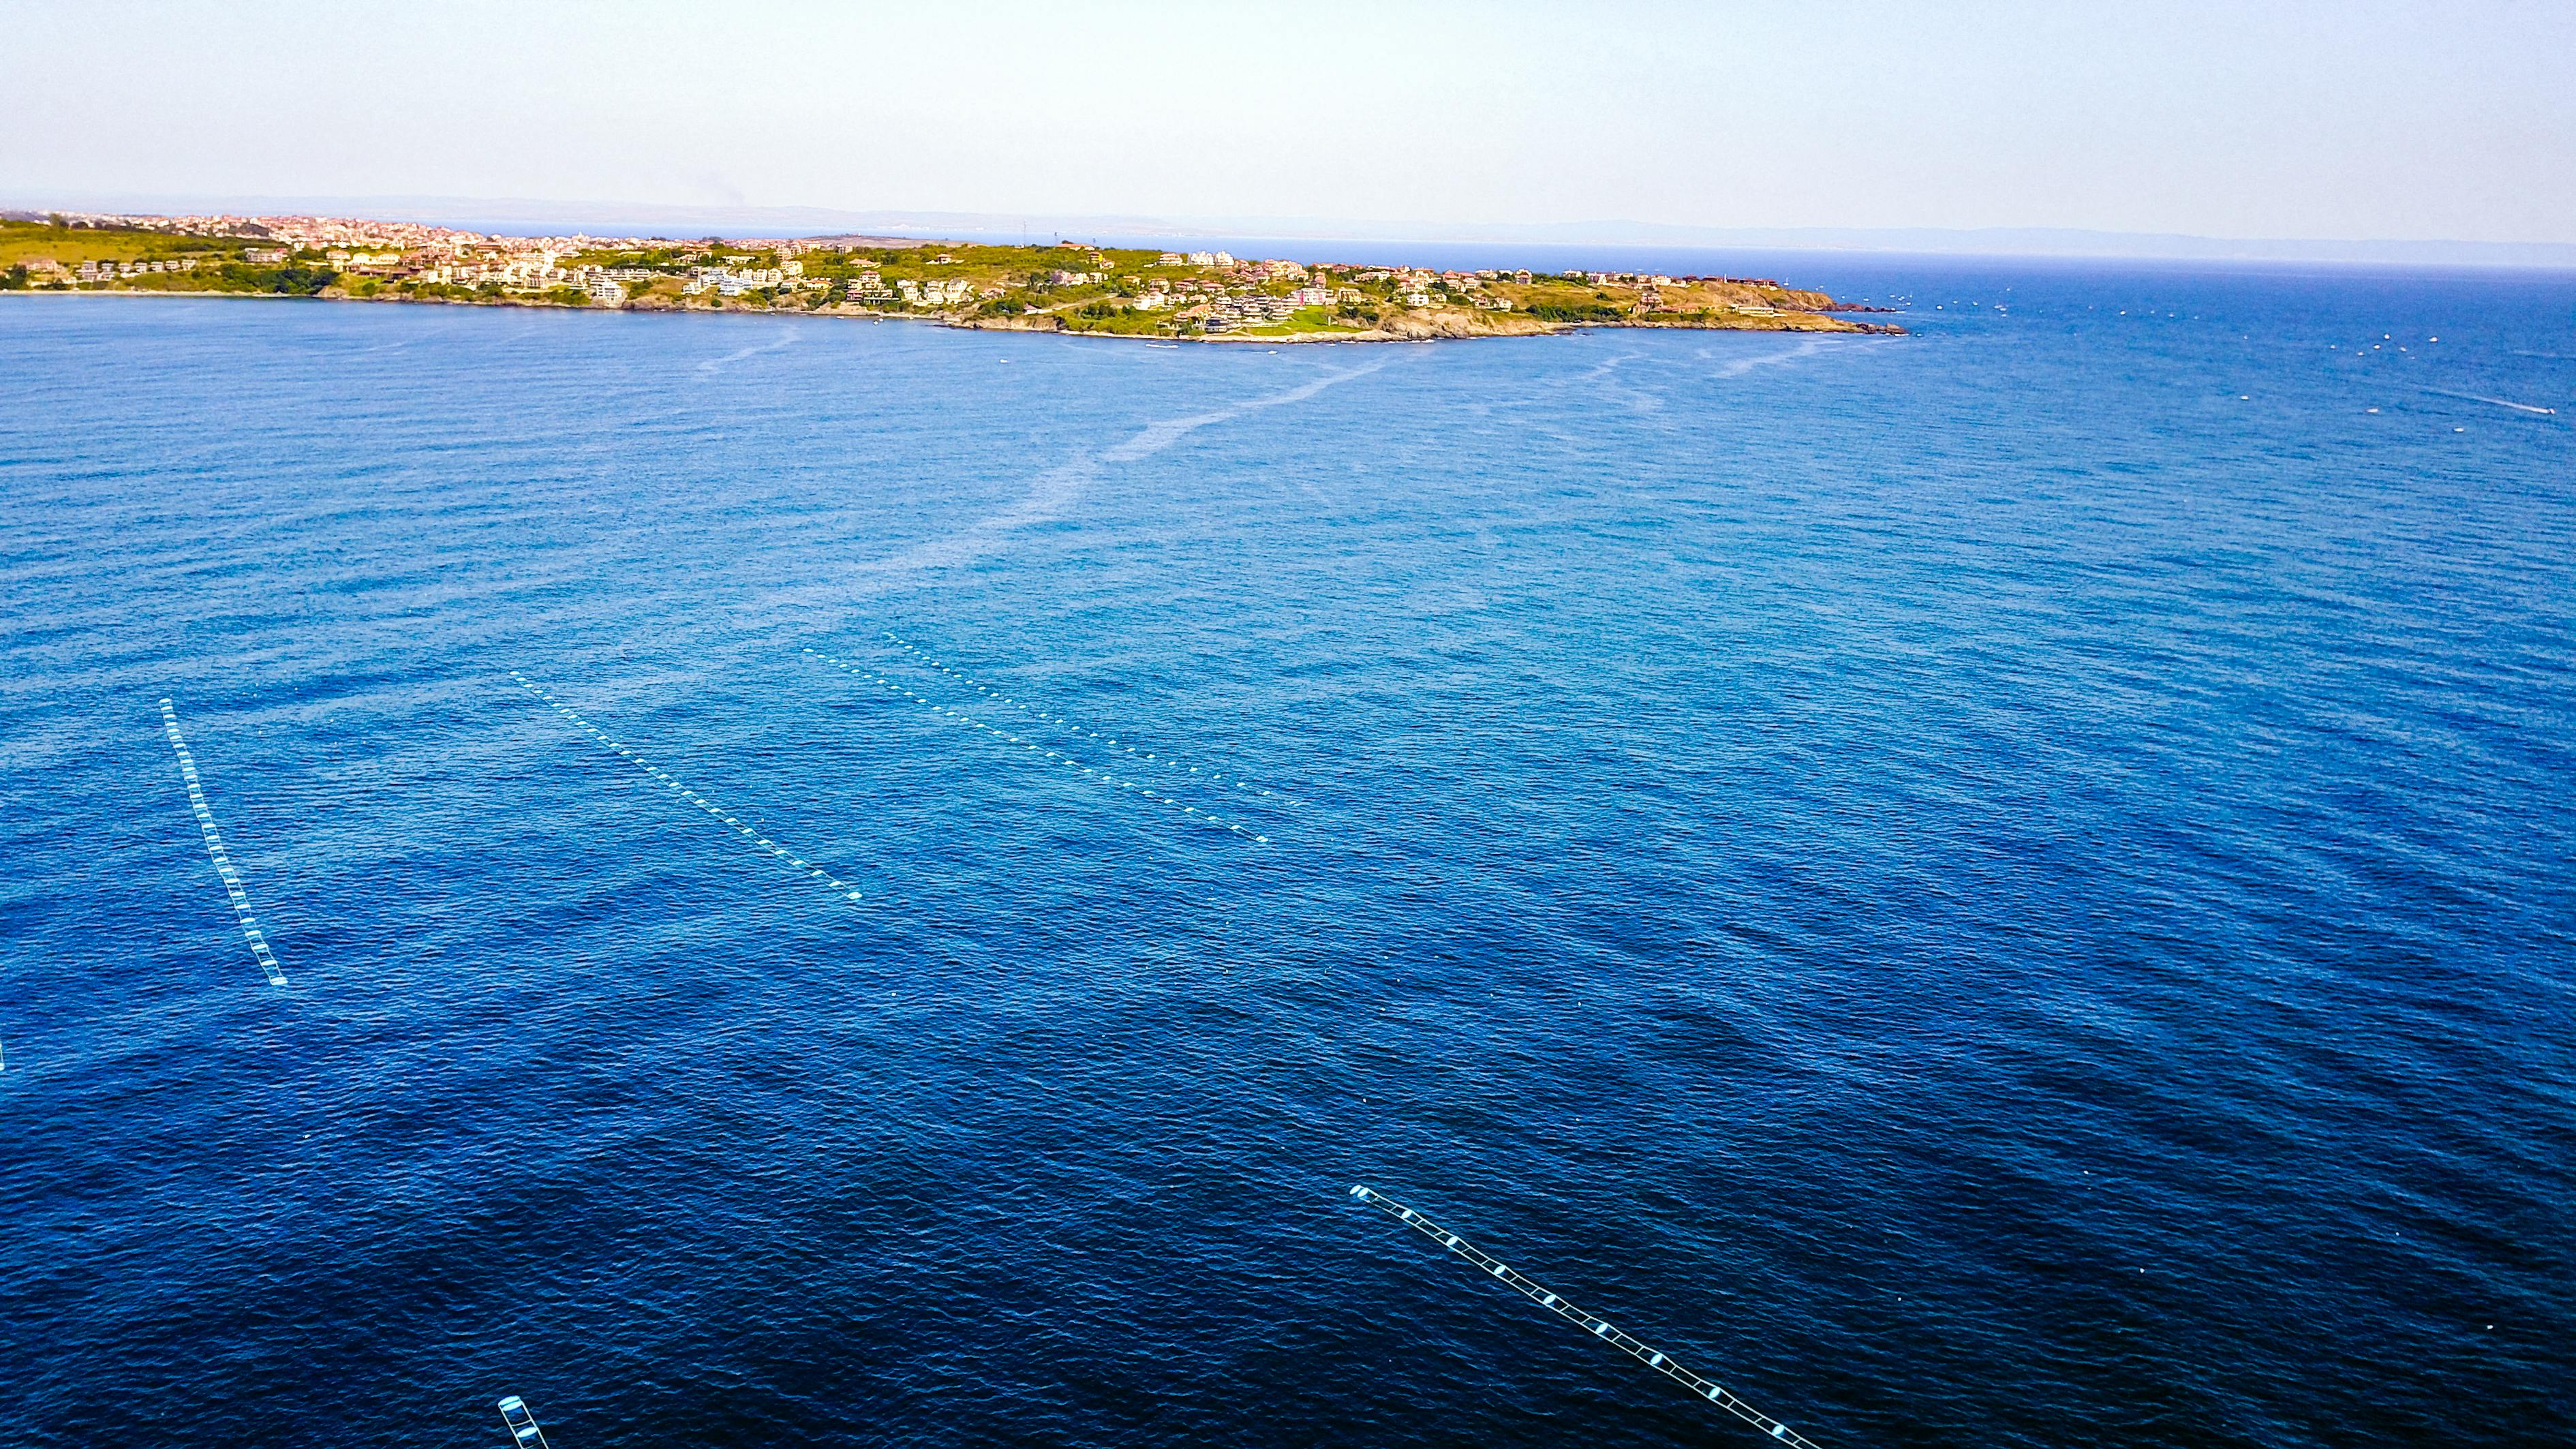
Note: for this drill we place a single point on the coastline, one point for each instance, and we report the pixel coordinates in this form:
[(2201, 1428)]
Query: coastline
[(1834, 326), (969, 324), (1066, 288)]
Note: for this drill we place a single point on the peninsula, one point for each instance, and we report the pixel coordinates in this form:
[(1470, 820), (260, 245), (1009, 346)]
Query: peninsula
[(1060, 287)]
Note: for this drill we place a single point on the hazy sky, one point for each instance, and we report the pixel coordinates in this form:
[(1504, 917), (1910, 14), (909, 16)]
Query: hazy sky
[(2248, 119)]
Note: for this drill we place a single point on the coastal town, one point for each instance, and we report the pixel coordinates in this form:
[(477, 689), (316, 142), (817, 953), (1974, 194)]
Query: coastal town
[(1062, 286)]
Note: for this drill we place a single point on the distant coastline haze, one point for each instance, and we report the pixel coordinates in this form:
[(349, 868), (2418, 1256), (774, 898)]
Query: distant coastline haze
[(2372, 132)]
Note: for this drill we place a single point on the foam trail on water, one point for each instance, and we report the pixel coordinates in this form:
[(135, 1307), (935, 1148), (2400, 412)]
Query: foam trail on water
[(1109, 742), (1056, 490), (215, 847), (2502, 402), (785, 339), (1604, 376), (1737, 367), (1599, 1328), (1034, 750), (663, 778)]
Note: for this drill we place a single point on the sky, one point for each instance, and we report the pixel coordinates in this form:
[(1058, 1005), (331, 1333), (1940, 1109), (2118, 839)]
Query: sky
[(2357, 120)]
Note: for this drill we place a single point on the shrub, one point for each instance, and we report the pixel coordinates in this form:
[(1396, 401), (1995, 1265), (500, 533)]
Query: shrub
[(1575, 312)]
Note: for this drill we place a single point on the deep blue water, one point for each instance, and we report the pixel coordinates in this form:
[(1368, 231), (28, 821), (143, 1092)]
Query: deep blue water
[(2005, 886)]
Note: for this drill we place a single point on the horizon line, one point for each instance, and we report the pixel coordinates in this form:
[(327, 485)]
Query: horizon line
[(668, 220)]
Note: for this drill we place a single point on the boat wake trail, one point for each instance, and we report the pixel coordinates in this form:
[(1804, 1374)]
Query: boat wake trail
[(1737, 367), (1604, 378), (713, 364), (2498, 401), (1056, 489)]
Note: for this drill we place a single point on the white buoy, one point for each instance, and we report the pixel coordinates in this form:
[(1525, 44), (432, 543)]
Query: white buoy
[(523, 1425), (906, 647), (969, 721), (664, 779), (1598, 1327), (214, 842)]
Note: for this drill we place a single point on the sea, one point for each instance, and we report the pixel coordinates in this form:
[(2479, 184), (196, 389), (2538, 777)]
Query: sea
[(860, 883)]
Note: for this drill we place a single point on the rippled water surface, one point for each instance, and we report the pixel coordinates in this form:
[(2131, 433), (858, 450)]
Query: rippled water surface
[(2008, 885)]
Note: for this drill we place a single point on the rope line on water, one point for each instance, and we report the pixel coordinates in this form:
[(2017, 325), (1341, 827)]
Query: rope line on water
[(1110, 742), (1098, 777), (1599, 1328), (215, 847), (664, 778)]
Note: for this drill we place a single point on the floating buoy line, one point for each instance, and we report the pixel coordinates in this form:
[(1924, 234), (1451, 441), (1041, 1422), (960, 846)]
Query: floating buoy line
[(215, 848), (1108, 742), (1032, 747), (524, 1431), (663, 778), (1597, 1327)]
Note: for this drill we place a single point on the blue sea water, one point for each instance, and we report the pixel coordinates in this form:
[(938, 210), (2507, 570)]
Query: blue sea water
[(2008, 885)]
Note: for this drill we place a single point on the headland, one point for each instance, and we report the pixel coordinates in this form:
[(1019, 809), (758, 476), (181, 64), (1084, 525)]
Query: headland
[(1067, 287)]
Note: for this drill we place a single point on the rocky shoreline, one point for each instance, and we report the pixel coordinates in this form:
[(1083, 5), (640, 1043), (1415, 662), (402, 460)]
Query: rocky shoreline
[(1431, 331)]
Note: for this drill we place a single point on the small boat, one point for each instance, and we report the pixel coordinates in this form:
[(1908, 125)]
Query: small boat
[(523, 1425)]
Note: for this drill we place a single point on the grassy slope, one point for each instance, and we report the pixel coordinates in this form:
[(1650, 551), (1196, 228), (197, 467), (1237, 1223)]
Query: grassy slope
[(23, 241)]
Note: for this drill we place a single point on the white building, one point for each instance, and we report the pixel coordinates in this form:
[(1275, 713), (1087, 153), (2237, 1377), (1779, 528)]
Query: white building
[(933, 294)]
